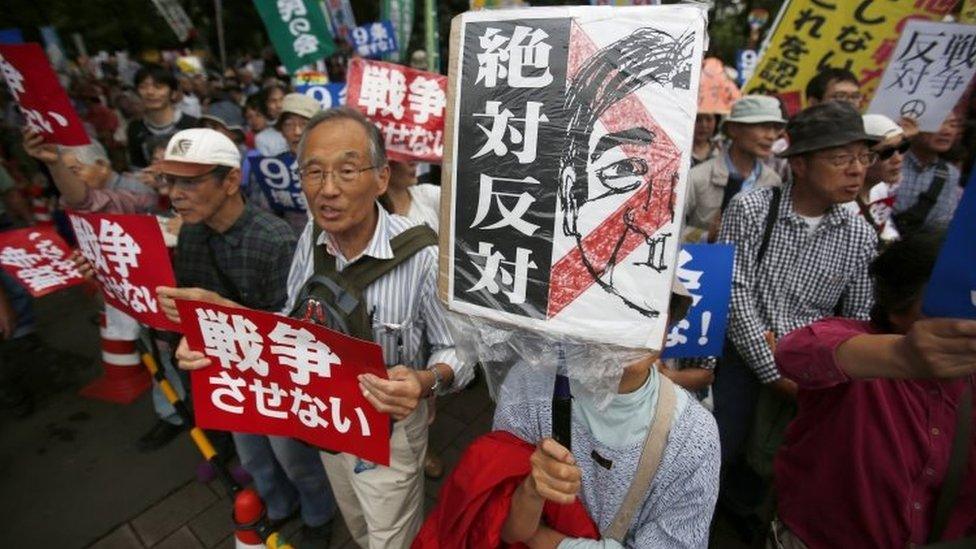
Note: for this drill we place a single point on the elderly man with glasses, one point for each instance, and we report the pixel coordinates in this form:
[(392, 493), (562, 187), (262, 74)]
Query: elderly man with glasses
[(372, 275), (232, 253), (344, 171), (800, 256)]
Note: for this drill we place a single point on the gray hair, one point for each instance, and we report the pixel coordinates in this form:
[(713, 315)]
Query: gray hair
[(377, 147), (89, 154)]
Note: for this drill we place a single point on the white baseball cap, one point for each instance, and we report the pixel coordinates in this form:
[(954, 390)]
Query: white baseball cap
[(197, 151), (881, 126)]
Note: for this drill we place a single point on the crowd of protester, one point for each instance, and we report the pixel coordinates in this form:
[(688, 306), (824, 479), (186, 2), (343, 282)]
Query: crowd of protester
[(835, 405)]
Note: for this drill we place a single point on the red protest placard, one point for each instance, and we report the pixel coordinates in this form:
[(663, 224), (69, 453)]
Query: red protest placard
[(275, 375), (406, 104), (130, 261), (38, 258), (41, 98)]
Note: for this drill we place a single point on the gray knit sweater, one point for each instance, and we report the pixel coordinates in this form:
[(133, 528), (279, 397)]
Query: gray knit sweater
[(678, 507)]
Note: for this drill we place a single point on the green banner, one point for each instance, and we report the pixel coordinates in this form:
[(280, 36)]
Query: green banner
[(433, 37), (400, 13), (298, 31)]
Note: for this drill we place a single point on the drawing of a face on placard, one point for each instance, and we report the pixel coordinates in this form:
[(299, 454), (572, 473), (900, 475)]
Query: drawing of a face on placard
[(616, 157)]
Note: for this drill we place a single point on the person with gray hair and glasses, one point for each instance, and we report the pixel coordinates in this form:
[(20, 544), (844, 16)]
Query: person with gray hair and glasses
[(86, 180), (393, 260)]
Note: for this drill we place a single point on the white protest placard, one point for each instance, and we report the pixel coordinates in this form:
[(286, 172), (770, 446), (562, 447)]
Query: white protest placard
[(928, 73), (567, 155)]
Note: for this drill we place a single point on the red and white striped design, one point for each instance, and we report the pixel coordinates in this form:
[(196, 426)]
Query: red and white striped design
[(117, 352), (124, 377)]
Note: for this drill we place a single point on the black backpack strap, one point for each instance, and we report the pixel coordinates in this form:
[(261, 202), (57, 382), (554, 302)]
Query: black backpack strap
[(770, 225), (913, 218), (342, 292), (362, 273), (958, 458), (732, 187), (866, 213)]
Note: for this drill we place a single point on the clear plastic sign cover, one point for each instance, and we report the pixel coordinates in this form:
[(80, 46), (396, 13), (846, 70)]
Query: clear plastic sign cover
[(569, 135)]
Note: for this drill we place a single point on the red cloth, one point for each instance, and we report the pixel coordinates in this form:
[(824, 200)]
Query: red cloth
[(103, 119), (863, 462), (474, 501)]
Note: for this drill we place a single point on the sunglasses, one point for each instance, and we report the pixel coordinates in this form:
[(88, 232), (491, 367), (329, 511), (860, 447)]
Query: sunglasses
[(888, 152)]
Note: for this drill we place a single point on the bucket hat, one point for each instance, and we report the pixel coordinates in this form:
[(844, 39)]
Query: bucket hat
[(825, 125)]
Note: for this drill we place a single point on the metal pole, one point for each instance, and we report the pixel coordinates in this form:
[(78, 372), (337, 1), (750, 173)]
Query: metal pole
[(219, 11)]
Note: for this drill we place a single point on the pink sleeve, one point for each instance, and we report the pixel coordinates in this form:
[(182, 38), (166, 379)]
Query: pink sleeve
[(115, 201), (806, 355)]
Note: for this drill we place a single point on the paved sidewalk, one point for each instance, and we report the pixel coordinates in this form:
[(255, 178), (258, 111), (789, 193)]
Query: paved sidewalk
[(199, 516), (70, 475)]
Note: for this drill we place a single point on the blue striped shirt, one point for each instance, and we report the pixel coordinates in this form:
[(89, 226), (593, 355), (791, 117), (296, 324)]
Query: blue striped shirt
[(408, 320)]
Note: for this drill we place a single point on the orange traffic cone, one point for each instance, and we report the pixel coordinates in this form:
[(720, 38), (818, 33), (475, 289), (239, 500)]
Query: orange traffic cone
[(124, 377)]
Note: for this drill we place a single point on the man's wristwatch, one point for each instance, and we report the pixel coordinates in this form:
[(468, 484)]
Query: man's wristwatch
[(437, 381)]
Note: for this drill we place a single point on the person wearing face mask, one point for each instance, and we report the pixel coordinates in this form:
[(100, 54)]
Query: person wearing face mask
[(877, 195), (754, 124), (519, 485)]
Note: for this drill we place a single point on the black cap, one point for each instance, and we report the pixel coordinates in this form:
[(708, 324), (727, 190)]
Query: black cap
[(826, 125)]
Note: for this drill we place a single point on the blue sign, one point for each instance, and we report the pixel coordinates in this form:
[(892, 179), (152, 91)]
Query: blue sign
[(278, 178), (328, 95), (11, 36), (745, 63), (375, 39), (951, 291), (706, 272)]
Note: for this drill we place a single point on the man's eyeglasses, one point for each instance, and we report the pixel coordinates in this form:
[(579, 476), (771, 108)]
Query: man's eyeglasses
[(314, 176), (841, 96), (888, 152), (188, 182), (844, 160)]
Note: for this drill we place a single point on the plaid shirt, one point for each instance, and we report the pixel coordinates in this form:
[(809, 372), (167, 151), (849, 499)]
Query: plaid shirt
[(804, 277), (916, 179), (254, 254)]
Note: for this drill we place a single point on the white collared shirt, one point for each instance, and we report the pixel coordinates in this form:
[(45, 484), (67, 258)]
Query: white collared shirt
[(408, 319)]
